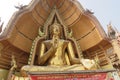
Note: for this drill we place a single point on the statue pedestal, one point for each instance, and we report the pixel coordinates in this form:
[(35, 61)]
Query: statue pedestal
[(71, 75)]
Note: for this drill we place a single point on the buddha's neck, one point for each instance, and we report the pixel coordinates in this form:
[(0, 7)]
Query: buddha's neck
[(55, 37)]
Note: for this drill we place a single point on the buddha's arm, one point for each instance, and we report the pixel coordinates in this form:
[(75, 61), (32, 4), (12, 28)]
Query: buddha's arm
[(72, 56), (43, 56)]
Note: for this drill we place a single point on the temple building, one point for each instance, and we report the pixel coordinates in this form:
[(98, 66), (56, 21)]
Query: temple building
[(114, 38), (58, 38)]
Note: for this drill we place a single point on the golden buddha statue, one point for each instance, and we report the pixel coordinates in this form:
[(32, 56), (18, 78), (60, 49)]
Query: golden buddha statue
[(58, 50), (58, 54)]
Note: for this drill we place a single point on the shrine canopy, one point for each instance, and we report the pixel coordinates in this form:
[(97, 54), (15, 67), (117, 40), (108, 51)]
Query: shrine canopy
[(23, 26)]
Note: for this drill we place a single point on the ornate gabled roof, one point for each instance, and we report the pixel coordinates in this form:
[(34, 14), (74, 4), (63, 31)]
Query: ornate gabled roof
[(23, 26)]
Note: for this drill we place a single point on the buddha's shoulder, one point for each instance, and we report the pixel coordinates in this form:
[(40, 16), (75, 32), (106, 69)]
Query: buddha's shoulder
[(46, 42)]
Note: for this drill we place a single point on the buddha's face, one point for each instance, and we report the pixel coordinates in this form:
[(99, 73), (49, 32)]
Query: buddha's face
[(56, 30)]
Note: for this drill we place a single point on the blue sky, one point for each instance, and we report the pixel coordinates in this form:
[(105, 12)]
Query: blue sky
[(105, 10)]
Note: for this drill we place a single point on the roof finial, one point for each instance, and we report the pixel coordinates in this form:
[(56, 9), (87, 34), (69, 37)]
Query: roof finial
[(110, 24), (20, 6)]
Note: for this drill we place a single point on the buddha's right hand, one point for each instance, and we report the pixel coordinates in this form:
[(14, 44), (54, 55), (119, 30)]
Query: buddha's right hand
[(55, 43)]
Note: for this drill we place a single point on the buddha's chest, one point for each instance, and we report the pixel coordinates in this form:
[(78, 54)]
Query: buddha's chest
[(59, 52), (59, 55)]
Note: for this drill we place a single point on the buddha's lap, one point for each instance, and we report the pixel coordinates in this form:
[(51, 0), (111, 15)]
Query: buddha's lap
[(54, 68)]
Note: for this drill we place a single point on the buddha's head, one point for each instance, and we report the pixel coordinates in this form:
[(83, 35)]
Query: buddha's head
[(55, 30)]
